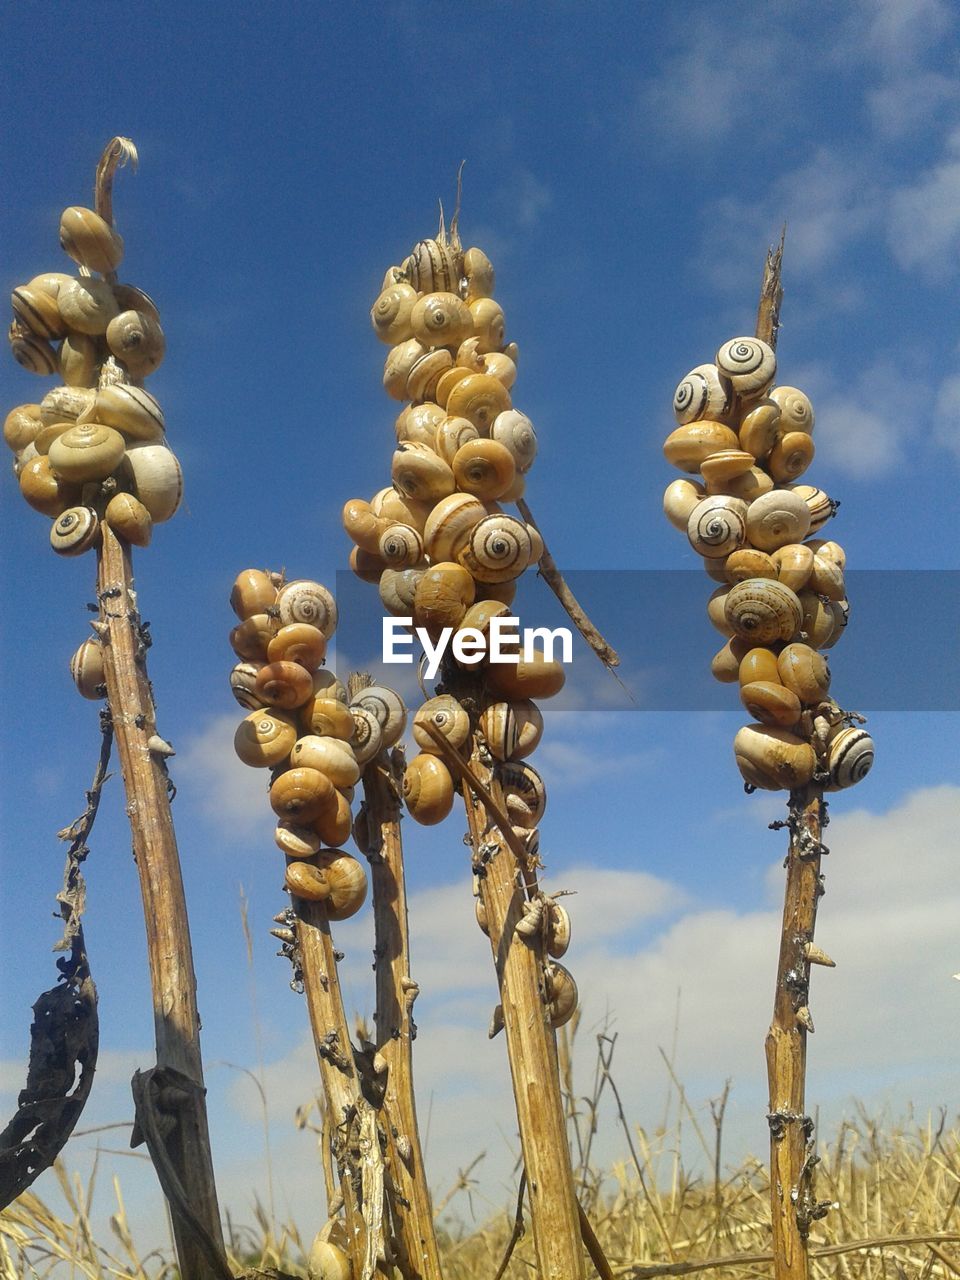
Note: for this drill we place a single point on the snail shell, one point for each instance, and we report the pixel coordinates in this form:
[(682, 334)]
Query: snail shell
[(75, 531), (441, 320), (749, 363), (89, 240), (335, 824), (479, 273), (43, 490), (299, 642), (367, 736), (790, 456), (773, 759), (749, 485), (796, 411), (726, 661), (30, 352), (325, 715), (689, 446), (469, 357), (499, 548), (420, 473), (679, 499), (515, 431), (253, 591), (820, 504), (770, 703), (826, 578), (367, 566), (250, 639), (442, 597), (396, 368), (284, 684), (504, 592), (793, 564), (38, 311), (305, 881), (484, 468), (448, 380), (347, 880), (388, 708), (243, 681), (557, 930), (748, 563), (326, 685), (306, 601), (130, 298), (488, 323), (512, 729), (296, 842), (137, 341), (804, 671), (390, 314), (86, 668), (717, 526), (849, 757), (425, 375), (418, 423), (560, 993), (49, 282), (446, 714), (87, 306), (703, 393), (48, 433), (328, 1261), (396, 509), (539, 678), (763, 610), (500, 366), (66, 404), (362, 526), (480, 398), (331, 756), (401, 547), (776, 518), (820, 623), (760, 427), (128, 517), (715, 610), (451, 434), (157, 478), (759, 664), (21, 425), (434, 266), (726, 465), (265, 738), (79, 358), (828, 550), (839, 610), (301, 795), (428, 789), (477, 618), (397, 590), (450, 523)]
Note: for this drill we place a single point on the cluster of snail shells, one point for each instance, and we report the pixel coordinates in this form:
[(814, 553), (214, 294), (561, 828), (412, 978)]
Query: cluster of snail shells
[(94, 448), (743, 444), (304, 729)]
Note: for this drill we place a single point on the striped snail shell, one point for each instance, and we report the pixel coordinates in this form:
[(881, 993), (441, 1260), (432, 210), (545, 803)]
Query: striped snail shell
[(30, 352), (849, 757), (129, 518), (687, 447), (401, 547), (243, 680), (725, 465), (331, 756), (451, 434), (826, 578), (67, 404), (763, 610), (86, 668), (299, 642), (347, 880), (484, 468), (748, 563), (515, 431), (488, 323), (79, 358), (446, 714), (87, 306), (253, 591), (21, 425), (393, 275), (820, 505), (804, 671), (89, 240), (703, 393), (770, 702), (557, 930), (137, 341), (418, 423), (367, 736), (749, 363), (420, 473), (361, 525), (748, 485), (428, 789), (400, 360), (760, 427), (296, 842), (790, 456), (717, 526), (434, 266), (724, 665), (395, 508), (773, 759), (250, 639), (560, 993), (388, 708), (498, 549), (479, 273), (679, 499), (426, 372), (480, 398), (301, 795), (390, 314), (42, 489), (450, 524), (512, 729), (284, 684), (306, 601), (776, 518), (157, 479), (524, 793), (265, 738), (759, 664), (793, 565), (38, 311), (397, 590), (796, 411), (441, 320), (442, 597), (75, 531), (448, 380)]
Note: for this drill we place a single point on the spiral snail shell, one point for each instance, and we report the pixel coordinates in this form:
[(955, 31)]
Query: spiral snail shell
[(304, 880), (347, 880), (826, 578), (367, 736), (450, 523), (397, 509), (86, 668), (401, 546), (760, 427), (253, 591), (243, 680), (329, 1261), (335, 824), (87, 306), (89, 240), (717, 526), (86, 451), (773, 759), (43, 490), (749, 363), (441, 320), (484, 468), (434, 266), (426, 372), (390, 314), (325, 715), (479, 273), (418, 423), (326, 685), (446, 714), (748, 563), (396, 368), (265, 738), (560, 993), (448, 380), (428, 789), (296, 842), (770, 702), (284, 684), (511, 729), (498, 365), (30, 352), (442, 597), (137, 341), (849, 757), (301, 795), (790, 456), (498, 549), (796, 411), (129, 518), (776, 518), (793, 565), (805, 672), (703, 393), (481, 398), (451, 434), (821, 623), (689, 446), (388, 708), (830, 550), (679, 499), (420, 473), (331, 756), (763, 610), (397, 590), (21, 426), (80, 354), (524, 793), (75, 531), (820, 505), (306, 601), (362, 526), (299, 642), (157, 478), (515, 431), (249, 640), (38, 311)]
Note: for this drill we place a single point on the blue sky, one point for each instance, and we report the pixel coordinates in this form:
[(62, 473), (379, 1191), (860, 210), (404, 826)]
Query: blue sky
[(627, 166)]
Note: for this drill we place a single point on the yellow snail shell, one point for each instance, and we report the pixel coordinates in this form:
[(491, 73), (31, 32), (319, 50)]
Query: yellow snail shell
[(480, 398), (390, 314), (400, 360), (450, 523), (839, 610), (515, 431), (30, 352), (128, 517), (265, 738), (703, 393), (301, 795), (420, 473), (328, 1261), (717, 526), (725, 663), (488, 324), (770, 703), (826, 578), (776, 518), (498, 549), (451, 434), (367, 566), (849, 757), (759, 664), (249, 640), (243, 681), (749, 485), (397, 509), (748, 563), (424, 377), (21, 426), (725, 465), (130, 298), (326, 685), (820, 504), (137, 341), (87, 306), (49, 432), (362, 526), (253, 591), (65, 404), (434, 266), (561, 994), (477, 618), (89, 240), (749, 363), (304, 880), (500, 366), (447, 381), (334, 825), (479, 273), (428, 789), (299, 642), (539, 678), (441, 320), (38, 311), (79, 357), (157, 478), (347, 880), (50, 282), (367, 736), (793, 565), (690, 445), (86, 668), (484, 468), (796, 411), (829, 551), (763, 610), (284, 684), (790, 456), (75, 531), (821, 624), (331, 756), (469, 357), (393, 275), (388, 708), (512, 729), (442, 597), (419, 422), (773, 759), (401, 547), (502, 591), (324, 714), (43, 490), (446, 714), (306, 601), (679, 499), (296, 842), (558, 930), (397, 590), (804, 671), (715, 610), (760, 427)]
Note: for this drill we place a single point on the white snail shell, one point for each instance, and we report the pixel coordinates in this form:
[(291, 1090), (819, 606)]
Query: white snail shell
[(401, 546), (388, 708), (515, 431), (749, 363), (86, 668), (773, 759), (331, 756), (849, 757), (367, 737), (763, 610), (243, 680), (451, 434), (90, 240), (524, 793), (446, 714), (488, 324), (419, 422), (400, 360), (64, 404), (424, 376), (157, 478), (87, 305), (776, 518), (717, 526), (498, 549), (558, 930), (703, 393), (679, 499), (511, 729), (420, 473), (820, 504), (390, 314), (561, 994), (306, 601), (137, 341), (796, 411)]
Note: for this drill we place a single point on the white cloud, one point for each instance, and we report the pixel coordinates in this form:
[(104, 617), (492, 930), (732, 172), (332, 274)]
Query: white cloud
[(900, 33), (924, 218), (209, 771), (947, 414), (908, 102)]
